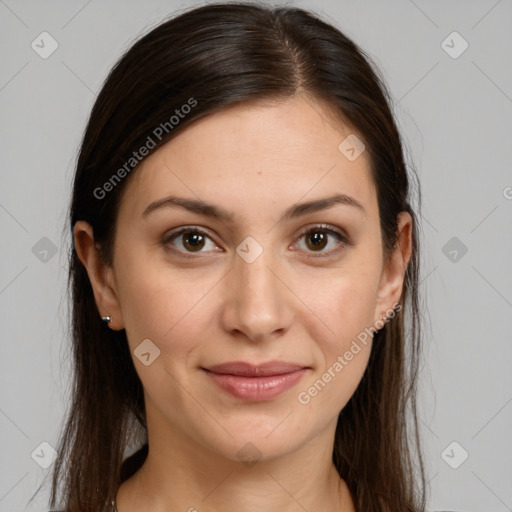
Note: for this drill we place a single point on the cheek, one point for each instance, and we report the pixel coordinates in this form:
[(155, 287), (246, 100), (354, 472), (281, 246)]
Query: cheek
[(347, 309), (331, 388), (166, 305), (341, 357), (347, 303)]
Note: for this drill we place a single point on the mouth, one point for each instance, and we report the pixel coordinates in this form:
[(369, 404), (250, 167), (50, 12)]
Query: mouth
[(256, 383)]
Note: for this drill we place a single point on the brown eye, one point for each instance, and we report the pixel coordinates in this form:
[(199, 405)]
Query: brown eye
[(319, 237), (316, 240), (192, 240)]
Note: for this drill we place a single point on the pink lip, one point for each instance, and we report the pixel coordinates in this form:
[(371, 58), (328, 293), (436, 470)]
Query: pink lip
[(255, 383)]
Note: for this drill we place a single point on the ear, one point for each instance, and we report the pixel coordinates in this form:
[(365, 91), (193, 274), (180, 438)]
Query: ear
[(100, 274), (393, 273)]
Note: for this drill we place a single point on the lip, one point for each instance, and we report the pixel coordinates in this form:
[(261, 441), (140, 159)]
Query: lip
[(256, 382)]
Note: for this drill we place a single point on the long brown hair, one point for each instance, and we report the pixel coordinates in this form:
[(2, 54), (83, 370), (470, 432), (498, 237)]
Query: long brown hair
[(209, 58)]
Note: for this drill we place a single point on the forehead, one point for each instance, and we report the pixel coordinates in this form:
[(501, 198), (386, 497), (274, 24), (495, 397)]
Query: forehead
[(257, 153)]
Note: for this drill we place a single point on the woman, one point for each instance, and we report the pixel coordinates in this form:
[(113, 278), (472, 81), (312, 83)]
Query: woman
[(245, 258)]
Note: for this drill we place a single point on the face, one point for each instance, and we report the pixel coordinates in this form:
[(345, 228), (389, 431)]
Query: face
[(254, 286)]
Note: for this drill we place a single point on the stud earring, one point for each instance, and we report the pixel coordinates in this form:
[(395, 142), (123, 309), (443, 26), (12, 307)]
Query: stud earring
[(107, 319)]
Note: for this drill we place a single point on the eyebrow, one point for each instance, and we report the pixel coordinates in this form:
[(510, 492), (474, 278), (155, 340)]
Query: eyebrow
[(216, 212)]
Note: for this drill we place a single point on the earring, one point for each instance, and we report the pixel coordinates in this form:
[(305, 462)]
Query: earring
[(107, 319)]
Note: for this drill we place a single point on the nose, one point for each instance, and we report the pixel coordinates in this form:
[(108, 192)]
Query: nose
[(258, 305)]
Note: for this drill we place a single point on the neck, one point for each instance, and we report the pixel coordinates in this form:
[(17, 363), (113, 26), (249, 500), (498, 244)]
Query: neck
[(179, 474)]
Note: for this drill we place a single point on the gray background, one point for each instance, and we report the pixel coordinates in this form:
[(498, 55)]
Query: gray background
[(456, 117)]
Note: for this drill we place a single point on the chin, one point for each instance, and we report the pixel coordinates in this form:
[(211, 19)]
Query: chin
[(252, 443)]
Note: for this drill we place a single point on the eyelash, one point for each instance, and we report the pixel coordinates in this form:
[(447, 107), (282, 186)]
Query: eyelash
[(344, 241)]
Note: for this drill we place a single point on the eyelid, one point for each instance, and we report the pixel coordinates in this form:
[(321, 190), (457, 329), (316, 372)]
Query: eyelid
[(344, 239), (329, 228)]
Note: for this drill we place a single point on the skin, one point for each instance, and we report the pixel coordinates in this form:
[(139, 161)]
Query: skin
[(254, 160)]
